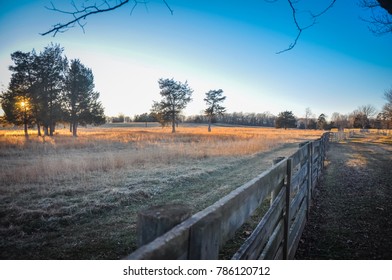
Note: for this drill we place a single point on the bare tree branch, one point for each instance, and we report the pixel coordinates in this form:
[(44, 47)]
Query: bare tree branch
[(299, 27), (381, 16), (325, 10), (386, 4), (80, 14), (167, 5)]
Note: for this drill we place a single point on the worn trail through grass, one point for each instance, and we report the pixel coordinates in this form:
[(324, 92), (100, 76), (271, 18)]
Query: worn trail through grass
[(351, 215)]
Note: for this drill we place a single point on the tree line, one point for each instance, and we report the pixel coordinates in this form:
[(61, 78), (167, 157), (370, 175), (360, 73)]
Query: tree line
[(45, 89), (363, 117), (285, 119)]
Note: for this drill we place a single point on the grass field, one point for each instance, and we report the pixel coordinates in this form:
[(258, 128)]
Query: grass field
[(77, 198)]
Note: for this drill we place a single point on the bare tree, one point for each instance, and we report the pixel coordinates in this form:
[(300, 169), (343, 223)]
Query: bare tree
[(308, 114), (339, 120), (381, 15), (362, 115), (381, 22), (386, 113), (388, 95), (368, 110), (80, 13), (312, 15)]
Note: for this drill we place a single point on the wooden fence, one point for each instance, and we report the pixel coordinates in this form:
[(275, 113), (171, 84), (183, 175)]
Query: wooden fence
[(340, 135), (289, 185)]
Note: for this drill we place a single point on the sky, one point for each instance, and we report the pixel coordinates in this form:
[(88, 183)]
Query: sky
[(336, 66)]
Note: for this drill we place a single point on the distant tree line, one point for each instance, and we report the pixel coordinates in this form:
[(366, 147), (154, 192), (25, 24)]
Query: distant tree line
[(237, 118), (363, 117), (45, 89), (165, 112), (384, 118)]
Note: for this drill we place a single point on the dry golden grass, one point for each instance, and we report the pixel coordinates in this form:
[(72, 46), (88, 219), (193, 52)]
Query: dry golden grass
[(43, 159), (77, 198)]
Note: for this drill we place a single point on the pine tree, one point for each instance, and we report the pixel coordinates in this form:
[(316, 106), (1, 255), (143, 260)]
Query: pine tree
[(50, 68), (175, 97), (80, 100), (214, 98), (285, 120), (17, 100)]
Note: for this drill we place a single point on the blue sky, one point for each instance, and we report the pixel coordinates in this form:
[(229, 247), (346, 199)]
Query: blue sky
[(337, 65)]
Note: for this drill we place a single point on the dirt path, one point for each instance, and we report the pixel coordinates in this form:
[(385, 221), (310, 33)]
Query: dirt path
[(351, 215)]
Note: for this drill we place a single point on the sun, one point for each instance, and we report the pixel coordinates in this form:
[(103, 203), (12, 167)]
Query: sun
[(24, 104)]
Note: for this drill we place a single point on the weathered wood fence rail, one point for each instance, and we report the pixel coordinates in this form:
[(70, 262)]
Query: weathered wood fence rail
[(341, 135), (289, 185)]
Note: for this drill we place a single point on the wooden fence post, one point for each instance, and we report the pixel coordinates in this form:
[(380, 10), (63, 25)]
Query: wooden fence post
[(310, 177), (275, 193), (157, 220), (205, 238), (286, 230), (322, 148), (303, 144)]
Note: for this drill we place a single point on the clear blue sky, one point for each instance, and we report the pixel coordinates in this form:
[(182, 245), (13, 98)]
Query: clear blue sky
[(337, 65)]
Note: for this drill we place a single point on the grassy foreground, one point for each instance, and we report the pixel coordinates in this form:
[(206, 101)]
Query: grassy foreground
[(77, 198)]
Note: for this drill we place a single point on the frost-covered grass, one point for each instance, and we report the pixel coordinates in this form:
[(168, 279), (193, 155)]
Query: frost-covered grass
[(77, 198)]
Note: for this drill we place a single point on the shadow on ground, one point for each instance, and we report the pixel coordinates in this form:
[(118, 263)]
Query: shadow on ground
[(351, 214)]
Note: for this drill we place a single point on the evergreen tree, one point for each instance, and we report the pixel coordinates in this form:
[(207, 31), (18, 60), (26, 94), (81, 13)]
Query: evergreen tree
[(175, 97), (285, 120), (322, 122), (80, 99), (43, 91), (17, 100), (50, 68), (214, 98)]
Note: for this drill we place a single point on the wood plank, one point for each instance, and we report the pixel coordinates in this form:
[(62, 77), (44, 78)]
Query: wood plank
[(286, 228), (254, 244), (236, 207), (299, 178), (274, 242), (172, 245), (296, 228), (297, 201), (156, 220), (297, 237), (205, 238), (300, 156), (314, 181), (279, 253), (309, 181)]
